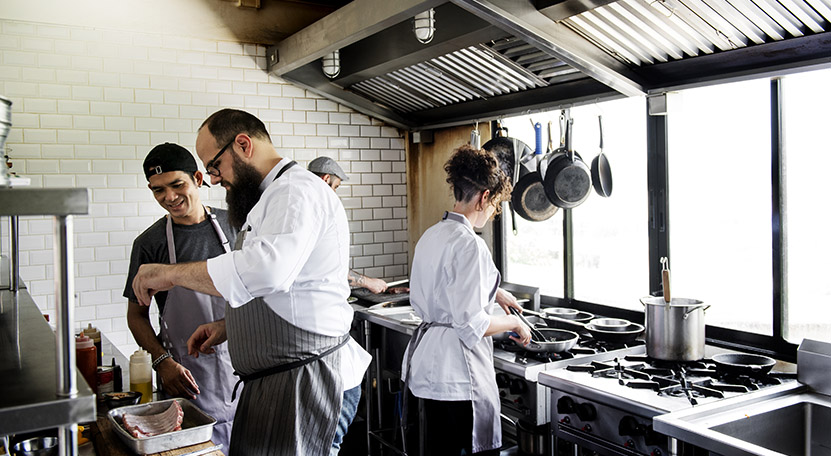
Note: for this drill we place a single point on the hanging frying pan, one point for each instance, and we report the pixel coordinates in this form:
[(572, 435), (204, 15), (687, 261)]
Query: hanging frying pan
[(566, 179), (601, 170), (510, 153), (528, 197)]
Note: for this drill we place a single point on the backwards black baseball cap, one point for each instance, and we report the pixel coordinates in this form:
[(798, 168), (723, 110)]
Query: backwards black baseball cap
[(169, 157)]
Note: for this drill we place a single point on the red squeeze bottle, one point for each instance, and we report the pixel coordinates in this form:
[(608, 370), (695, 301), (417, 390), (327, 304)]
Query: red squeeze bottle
[(87, 360)]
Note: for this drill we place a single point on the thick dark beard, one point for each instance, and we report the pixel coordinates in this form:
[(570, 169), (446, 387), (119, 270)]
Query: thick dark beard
[(244, 194)]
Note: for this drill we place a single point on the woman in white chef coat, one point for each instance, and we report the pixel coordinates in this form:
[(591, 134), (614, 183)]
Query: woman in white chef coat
[(453, 286)]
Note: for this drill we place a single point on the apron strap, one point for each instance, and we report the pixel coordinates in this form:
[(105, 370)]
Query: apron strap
[(171, 248), (285, 168), (286, 366), (418, 334), (222, 238)]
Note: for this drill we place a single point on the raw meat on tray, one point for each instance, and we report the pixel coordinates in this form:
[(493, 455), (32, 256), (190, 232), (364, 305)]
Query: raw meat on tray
[(140, 426)]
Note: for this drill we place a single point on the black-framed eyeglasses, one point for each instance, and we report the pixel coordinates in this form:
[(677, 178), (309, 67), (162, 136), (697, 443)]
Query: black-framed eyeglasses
[(211, 168)]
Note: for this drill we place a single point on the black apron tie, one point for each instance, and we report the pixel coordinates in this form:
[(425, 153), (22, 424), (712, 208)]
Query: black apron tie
[(285, 366)]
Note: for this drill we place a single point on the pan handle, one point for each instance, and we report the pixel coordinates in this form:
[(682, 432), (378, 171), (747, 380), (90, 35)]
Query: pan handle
[(600, 125), (687, 313)]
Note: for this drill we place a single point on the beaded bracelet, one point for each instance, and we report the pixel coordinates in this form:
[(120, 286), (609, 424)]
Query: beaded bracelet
[(161, 358)]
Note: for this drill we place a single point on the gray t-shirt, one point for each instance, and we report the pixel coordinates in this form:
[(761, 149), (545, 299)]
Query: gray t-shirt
[(193, 243)]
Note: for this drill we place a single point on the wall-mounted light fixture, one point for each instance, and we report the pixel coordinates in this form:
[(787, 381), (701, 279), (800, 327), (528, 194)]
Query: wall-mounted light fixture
[(331, 64), (424, 26)]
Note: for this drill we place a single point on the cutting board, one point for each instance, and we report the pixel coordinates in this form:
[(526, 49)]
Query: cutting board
[(107, 443)]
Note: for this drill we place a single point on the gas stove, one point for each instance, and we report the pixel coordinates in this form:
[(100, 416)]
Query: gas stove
[(607, 405), (517, 371)]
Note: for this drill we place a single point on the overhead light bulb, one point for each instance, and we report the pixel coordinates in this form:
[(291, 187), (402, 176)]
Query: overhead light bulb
[(424, 26), (331, 64)]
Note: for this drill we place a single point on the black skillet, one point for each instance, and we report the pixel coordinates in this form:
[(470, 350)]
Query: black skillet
[(528, 197), (547, 340), (601, 170), (743, 363)]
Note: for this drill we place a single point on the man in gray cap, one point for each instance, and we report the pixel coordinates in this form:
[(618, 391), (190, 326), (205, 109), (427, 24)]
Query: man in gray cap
[(328, 170), (331, 173), (189, 232)]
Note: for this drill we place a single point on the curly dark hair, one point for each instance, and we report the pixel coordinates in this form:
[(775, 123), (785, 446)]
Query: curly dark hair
[(471, 171)]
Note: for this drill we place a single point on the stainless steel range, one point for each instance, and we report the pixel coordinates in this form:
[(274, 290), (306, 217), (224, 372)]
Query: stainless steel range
[(607, 407)]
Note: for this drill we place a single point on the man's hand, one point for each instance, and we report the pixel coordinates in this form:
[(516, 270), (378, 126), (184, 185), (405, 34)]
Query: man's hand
[(205, 337), (177, 380), (151, 279), (506, 300), (374, 285)]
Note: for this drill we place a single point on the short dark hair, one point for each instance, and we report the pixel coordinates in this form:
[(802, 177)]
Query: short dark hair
[(471, 171), (225, 124)]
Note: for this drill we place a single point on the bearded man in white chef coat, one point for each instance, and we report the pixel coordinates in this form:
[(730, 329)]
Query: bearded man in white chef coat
[(287, 320)]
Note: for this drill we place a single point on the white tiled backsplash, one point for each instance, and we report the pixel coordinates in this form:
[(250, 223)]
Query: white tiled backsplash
[(90, 103)]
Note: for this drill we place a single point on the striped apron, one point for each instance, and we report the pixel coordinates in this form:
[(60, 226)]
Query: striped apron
[(293, 390), (184, 312)]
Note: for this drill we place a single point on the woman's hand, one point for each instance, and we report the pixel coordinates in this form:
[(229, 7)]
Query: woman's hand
[(523, 332), (506, 300)]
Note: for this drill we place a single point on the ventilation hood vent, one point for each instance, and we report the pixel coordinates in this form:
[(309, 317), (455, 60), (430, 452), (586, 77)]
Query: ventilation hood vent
[(491, 58)]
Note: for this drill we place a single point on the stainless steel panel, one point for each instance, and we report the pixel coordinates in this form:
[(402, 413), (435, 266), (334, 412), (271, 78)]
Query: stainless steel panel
[(28, 392), (44, 201), (813, 363)]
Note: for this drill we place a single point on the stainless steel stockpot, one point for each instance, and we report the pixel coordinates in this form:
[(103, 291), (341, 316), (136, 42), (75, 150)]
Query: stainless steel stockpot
[(675, 329)]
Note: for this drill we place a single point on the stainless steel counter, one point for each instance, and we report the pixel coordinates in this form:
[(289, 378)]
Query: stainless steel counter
[(28, 369), (388, 317)]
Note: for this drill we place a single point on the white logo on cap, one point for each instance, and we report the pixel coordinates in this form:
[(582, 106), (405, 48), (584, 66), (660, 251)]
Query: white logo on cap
[(158, 169)]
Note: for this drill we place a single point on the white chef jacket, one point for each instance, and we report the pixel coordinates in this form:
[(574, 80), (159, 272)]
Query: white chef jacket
[(296, 257), (453, 280)]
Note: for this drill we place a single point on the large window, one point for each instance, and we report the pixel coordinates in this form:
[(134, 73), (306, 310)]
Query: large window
[(720, 202), (807, 161), (610, 234)]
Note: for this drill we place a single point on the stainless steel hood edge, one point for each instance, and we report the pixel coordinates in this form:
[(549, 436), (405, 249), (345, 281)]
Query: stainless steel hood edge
[(521, 18), (346, 25)]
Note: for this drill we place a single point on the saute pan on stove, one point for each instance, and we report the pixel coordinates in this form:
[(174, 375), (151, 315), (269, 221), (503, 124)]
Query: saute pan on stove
[(548, 340), (743, 363), (606, 334)]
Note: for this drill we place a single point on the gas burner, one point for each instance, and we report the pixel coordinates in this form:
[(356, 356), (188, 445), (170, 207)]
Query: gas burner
[(523, 356)]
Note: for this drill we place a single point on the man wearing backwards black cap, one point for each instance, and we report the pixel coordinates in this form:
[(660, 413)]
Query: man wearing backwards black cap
[(328, 169), (188, 233)]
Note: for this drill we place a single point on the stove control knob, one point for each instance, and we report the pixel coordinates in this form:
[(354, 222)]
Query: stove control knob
[(629, 426), (629, 443), (565, 405), (502, 380), (518, 386), (656, 452), (586, 411)]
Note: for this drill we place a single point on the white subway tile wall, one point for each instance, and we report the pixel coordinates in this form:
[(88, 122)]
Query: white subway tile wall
[(90, 103)]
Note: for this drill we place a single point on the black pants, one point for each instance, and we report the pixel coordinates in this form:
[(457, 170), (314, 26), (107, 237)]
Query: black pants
[(448, 428)]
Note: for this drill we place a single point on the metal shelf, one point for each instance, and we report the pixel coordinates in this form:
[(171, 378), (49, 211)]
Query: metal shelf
[(39, 388), (29, 398)]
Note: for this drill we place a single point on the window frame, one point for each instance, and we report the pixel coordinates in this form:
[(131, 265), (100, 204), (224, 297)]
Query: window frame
[(658, 187)]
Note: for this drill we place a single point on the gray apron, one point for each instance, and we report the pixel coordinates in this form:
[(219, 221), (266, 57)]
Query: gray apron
[(487, 427), (183, 312), (293, 390)]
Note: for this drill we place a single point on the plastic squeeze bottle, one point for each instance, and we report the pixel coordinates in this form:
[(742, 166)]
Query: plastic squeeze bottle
[(141, 377), (85, 360), (94, 334)]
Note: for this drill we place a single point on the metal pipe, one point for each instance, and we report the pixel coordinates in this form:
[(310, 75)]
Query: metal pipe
[(64, 294), (14, 253), (63, 265), (68, 440)]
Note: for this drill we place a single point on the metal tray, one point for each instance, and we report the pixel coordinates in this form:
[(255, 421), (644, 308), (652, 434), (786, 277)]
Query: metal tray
[(197, 427)]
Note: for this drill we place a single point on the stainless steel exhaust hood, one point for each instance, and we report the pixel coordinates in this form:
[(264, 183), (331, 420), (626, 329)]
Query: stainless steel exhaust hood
[(491, 58)]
